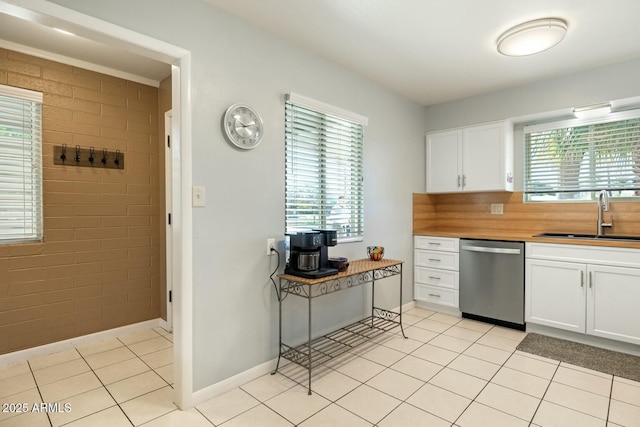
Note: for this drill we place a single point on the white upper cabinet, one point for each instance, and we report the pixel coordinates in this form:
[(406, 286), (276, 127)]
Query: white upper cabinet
[(444, 162), (474, 158)]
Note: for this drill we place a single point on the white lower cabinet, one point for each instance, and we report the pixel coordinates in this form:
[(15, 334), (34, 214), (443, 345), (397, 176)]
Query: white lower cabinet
[(436, 264), (555, 294), (613, 297), (569, 290)]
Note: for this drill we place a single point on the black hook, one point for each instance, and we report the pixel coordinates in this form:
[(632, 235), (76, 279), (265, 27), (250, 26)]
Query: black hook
[(63, 156), (104, 156), (77, 153), (91, 152), (117, 160)]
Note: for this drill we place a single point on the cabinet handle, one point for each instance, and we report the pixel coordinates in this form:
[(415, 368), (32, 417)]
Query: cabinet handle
[(434, 260), (434, 278), (464, 180), (590, 280), (458, 180), (582, 279), (434, 295), (434, 243)]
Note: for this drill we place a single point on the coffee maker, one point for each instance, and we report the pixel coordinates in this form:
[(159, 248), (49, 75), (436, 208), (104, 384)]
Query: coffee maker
[(308, 253)]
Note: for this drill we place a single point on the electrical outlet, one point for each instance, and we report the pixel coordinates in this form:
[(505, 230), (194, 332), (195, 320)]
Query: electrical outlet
[(497, 209), (271, 244)]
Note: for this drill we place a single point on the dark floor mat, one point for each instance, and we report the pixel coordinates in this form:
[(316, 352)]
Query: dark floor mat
[(586, 356)]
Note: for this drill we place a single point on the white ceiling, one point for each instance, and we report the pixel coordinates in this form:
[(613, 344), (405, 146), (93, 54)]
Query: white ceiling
[(433, 51), (430, 51)]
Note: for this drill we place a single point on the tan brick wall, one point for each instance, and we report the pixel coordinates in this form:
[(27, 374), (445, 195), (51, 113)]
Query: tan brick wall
[(99, 265)]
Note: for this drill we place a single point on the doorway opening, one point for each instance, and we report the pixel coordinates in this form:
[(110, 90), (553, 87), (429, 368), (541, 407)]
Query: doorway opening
[(131, 42)]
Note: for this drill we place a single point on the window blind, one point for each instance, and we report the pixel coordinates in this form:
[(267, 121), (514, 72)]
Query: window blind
[(573, 159), (323, 171), (20, 165)]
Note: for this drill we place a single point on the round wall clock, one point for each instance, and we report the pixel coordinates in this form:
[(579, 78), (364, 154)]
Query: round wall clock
[(243, 126)]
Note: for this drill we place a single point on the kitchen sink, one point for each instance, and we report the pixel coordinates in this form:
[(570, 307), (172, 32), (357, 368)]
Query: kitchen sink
[(587, 236)]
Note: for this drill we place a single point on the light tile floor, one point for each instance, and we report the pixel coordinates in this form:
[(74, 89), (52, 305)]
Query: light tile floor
[(450, 372)]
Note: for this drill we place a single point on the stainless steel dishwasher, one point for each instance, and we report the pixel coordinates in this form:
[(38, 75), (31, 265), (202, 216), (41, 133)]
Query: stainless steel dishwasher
[(492, 281)]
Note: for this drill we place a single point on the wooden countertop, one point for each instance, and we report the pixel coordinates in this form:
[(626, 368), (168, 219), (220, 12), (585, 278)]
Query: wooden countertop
[(526, 237), (355, 267)]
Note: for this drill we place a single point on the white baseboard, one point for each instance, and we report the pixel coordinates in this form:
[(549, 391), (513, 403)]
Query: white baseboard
[(233, 382), (165, 325), (439, 308), (408, 306), (55, 347)]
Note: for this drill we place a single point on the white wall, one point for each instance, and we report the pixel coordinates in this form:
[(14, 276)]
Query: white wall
[(530, 102), (235, 310)]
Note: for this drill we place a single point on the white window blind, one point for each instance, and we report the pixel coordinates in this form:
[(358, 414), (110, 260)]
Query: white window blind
[(20, 165), (323, 168), (573, 159)]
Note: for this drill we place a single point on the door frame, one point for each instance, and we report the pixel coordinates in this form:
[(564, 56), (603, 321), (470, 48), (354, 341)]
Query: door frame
[(168, 192)]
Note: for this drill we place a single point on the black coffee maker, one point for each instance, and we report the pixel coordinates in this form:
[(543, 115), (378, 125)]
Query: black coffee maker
[(308, 253)]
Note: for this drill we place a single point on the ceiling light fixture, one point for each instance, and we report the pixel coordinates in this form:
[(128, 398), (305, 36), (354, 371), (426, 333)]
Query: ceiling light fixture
[(532, 37), (65, 32), (590, 111)]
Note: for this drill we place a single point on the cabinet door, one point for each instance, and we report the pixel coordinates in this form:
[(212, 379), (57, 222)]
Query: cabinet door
[(555, 294), (444, 162), (613, 296), (483, 158)]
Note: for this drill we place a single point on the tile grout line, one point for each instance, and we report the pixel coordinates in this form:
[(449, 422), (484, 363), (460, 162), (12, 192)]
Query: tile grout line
[(38, 388), (613, 378)]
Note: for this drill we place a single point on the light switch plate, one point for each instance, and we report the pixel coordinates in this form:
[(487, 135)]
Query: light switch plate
[(198, 196)]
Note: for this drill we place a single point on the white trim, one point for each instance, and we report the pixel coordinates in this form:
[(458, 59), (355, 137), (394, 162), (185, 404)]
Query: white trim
[(20, 93), (439, 308), (408, 306), (312, 104), (58, 346), (90, 27), (77, 63), (611, 117), (182, 233), (165, 325), (235, 381), (168, 205)]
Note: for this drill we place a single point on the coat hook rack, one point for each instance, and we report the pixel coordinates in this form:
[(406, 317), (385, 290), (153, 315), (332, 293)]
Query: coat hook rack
[(86, 157)]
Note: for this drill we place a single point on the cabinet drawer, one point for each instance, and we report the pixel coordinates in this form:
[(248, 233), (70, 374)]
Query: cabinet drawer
[(449, 244), (436, 277), (436, 259), (437, 295)]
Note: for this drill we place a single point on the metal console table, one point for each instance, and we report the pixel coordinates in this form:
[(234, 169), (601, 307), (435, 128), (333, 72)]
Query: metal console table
[(321, 349)]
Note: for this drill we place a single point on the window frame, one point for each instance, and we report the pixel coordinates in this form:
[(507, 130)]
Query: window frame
[(585, 193), (334, 142), (30, 160)]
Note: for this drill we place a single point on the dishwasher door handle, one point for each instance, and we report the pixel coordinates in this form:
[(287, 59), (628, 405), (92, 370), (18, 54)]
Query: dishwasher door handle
[(506, 251)]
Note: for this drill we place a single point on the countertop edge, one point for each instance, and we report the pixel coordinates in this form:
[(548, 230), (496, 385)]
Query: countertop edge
[(526, 237)]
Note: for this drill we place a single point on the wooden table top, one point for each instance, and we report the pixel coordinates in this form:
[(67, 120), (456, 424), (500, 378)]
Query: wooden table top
[(355, 267)]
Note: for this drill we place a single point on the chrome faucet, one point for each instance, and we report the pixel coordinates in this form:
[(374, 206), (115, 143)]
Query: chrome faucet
[(603, 205)]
